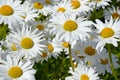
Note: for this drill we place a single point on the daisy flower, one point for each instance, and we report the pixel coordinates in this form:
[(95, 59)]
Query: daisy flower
[(114, 12), (44, 56), (104, 63), (15, 69), (10, 12), (41, 26), (29, 12), (68, 28), (53, 51), (83, 72), (108, 32), (63, 6), (80, 6), (30, 42), (40, 7), (89, 51), (102, 3)]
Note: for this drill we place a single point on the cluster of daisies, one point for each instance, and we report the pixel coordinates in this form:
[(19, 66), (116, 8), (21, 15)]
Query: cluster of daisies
[(67, 27)]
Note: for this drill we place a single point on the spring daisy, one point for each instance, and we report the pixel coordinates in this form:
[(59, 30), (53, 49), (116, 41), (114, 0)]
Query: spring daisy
[(10, 12), (89, 51), (40, 7), (15, 69), (53, 51), (63, 6), (30, 42), (104, 63), (68, 28), (80, 6), (41, 26), (83, 72), (108, 32), (29, 12), (114, 12), (102, 3)]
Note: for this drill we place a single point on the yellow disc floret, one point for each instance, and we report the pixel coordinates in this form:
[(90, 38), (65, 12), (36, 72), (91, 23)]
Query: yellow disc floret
[(104, 61), (115, 15), (107, 32), (84, 77), (65, 44), (98, 0), (15, 72), (50, 47), (70, 25), (27, 43), (61, 9), (38, 5), (13, 47), (44, 55), (76, 4), (6, 10), (90, 51), (40, 27)]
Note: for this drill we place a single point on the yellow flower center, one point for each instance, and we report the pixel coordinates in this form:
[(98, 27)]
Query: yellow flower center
[(89, 0), (70, 25), (107, 32), (98, 0), (13, 47), (44, 55), (38, 5), (27, 43), (75, 4), (115, 15), (84, 77), (15, 72), (6, 10), (90, 51), (48, 2), (65, 44), (40, 27), (61, 9), (104, 61), (50, 47)]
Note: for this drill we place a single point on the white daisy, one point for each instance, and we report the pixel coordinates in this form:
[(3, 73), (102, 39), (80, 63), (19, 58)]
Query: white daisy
[(104, 63), (68, 28), (108, 32), (30, 42), (102, 3), (83, 72), (80, 6), (42, 26), (40, 7), (29, 12), (10, 12), (114, 12), (63, 6), (15, 69), (89, 51), (53, 51)]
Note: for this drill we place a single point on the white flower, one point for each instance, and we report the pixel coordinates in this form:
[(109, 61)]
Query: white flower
[(63, 6), (68, 28), (114, 12), (16, 69), (30, 42), (83, 72), (108, 32), (104, 63), (10, 12)]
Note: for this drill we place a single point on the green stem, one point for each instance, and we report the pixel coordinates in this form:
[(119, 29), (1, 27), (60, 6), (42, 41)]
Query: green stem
[(70, 55), (111, 62)]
